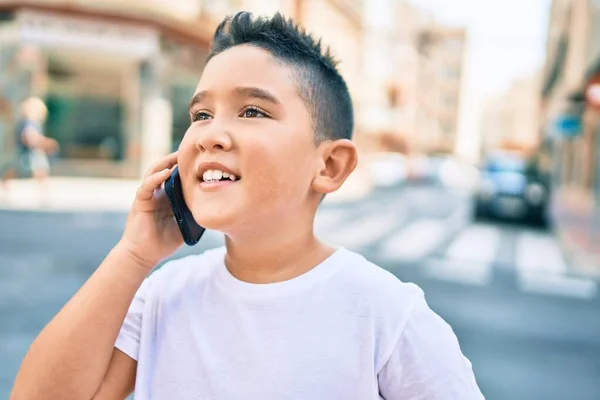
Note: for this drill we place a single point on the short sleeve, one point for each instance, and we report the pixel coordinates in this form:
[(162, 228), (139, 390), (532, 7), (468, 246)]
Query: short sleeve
[(427, 362), (128, 340)]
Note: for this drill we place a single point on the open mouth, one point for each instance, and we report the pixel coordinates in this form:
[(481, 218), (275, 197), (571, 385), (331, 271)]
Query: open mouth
[(215, 175)]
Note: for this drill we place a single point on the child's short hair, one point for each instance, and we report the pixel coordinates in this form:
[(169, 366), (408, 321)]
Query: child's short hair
[(319, 83)]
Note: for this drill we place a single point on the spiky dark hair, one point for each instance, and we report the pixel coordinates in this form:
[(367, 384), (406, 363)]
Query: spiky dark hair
[(315, 73)]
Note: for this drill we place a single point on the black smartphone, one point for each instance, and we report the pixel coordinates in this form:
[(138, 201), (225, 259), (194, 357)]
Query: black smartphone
[(189, 228)]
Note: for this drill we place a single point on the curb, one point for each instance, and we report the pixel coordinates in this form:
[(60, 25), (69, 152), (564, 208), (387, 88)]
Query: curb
[(581, 263), (95, 197)]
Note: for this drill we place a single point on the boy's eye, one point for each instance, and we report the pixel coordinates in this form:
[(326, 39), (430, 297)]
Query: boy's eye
[(200, 116), (253, 112)]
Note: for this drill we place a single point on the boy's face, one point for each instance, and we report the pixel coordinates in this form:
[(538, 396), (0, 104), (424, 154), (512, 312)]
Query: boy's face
[(248, 117)]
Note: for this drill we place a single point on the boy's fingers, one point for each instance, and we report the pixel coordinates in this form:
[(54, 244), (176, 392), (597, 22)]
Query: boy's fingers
[(151, 183), (167, 162)]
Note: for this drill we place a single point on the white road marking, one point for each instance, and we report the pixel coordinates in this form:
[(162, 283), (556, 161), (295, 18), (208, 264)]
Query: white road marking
[(581, 288), (469, 257), (541, 268), (364, 231), (470, 273), (415, 241), (541, 253), (475, 244)]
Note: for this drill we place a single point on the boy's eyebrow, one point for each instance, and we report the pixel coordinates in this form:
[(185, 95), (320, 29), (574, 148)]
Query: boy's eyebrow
[(198, 97), (257, 93), (250, 92)]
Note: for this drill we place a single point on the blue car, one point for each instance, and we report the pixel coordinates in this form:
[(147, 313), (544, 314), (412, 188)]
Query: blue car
[(512, 187)]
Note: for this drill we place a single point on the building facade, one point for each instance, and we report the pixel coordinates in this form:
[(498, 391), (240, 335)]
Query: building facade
[(570, 129), (568, 105), (414, 69), (116, 78), (511, 119), (448, 52)]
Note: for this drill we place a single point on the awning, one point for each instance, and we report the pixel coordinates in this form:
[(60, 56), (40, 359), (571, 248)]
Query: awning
[(197, 31)]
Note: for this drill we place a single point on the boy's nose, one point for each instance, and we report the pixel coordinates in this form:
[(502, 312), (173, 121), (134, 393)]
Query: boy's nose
[(214, 139)]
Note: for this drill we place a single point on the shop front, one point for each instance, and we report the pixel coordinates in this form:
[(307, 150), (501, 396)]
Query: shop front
[(116, 91)]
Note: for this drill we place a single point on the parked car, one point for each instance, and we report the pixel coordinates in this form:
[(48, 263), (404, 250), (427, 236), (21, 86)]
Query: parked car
[(512, 187)]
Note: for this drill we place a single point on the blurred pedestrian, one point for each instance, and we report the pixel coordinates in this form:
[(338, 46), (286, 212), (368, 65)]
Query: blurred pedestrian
[(32, 146)]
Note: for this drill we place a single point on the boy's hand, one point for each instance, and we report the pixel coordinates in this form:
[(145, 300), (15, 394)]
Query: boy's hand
[(151, 233)]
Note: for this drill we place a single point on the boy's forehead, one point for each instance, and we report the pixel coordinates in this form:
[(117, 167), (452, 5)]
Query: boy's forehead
[(246, 65)]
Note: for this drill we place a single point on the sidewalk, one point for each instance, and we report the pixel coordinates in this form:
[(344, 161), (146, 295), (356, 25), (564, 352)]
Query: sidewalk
[(578, 232), (103, 194)]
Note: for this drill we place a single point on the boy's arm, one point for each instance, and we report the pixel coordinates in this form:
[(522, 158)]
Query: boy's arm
[(75, 353), (427, 362), (70, 358), (119, 381)]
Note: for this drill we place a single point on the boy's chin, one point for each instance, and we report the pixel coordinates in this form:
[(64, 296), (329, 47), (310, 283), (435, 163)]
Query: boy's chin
[(215, 221)]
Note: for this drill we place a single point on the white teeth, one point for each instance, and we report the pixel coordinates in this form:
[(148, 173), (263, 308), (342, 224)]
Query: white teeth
[(216, 175), (208, 175)]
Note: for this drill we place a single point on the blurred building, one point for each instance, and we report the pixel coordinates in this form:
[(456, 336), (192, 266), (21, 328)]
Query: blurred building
[(445, 50), (511, 120), (570, 110), (570, 105), (413, 69), (116, 77)]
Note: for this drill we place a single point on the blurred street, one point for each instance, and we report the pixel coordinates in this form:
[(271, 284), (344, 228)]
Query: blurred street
[(463, 111), (527, 322)]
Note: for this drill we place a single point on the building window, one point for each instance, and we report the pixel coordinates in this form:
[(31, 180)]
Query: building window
[(86, 126), (449, 100), (454, 45), (451, 73), (448, 129)]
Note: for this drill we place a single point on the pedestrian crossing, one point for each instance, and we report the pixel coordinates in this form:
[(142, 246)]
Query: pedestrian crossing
[(475, 244), (538, 252), (415, 241), (449, 248), (464, 253)]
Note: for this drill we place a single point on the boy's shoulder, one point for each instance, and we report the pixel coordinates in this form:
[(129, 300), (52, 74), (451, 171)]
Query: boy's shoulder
[(374, 284), (176, 274)]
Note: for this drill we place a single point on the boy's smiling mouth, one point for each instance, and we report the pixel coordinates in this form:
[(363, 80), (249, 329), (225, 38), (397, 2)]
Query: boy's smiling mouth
[(216, 175), (212, 175)]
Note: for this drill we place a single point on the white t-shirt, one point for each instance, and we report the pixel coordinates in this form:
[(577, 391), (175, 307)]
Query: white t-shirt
[(347, 329)]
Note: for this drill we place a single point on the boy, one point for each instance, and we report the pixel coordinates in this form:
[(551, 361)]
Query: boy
[(276, 314)]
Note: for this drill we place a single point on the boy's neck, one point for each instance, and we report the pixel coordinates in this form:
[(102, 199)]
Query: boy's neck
[(275, 258)]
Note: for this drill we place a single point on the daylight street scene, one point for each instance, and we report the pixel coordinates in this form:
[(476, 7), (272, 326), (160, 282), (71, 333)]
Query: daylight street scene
[(478, 176)]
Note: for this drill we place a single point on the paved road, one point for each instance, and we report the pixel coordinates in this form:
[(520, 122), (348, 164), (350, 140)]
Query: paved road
[(530, 327)]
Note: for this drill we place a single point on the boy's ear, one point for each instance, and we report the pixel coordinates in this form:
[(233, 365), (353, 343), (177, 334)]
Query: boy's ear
[(338, 160)]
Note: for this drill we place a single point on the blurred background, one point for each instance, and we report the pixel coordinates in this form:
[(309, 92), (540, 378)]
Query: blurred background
[(479, 175)]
